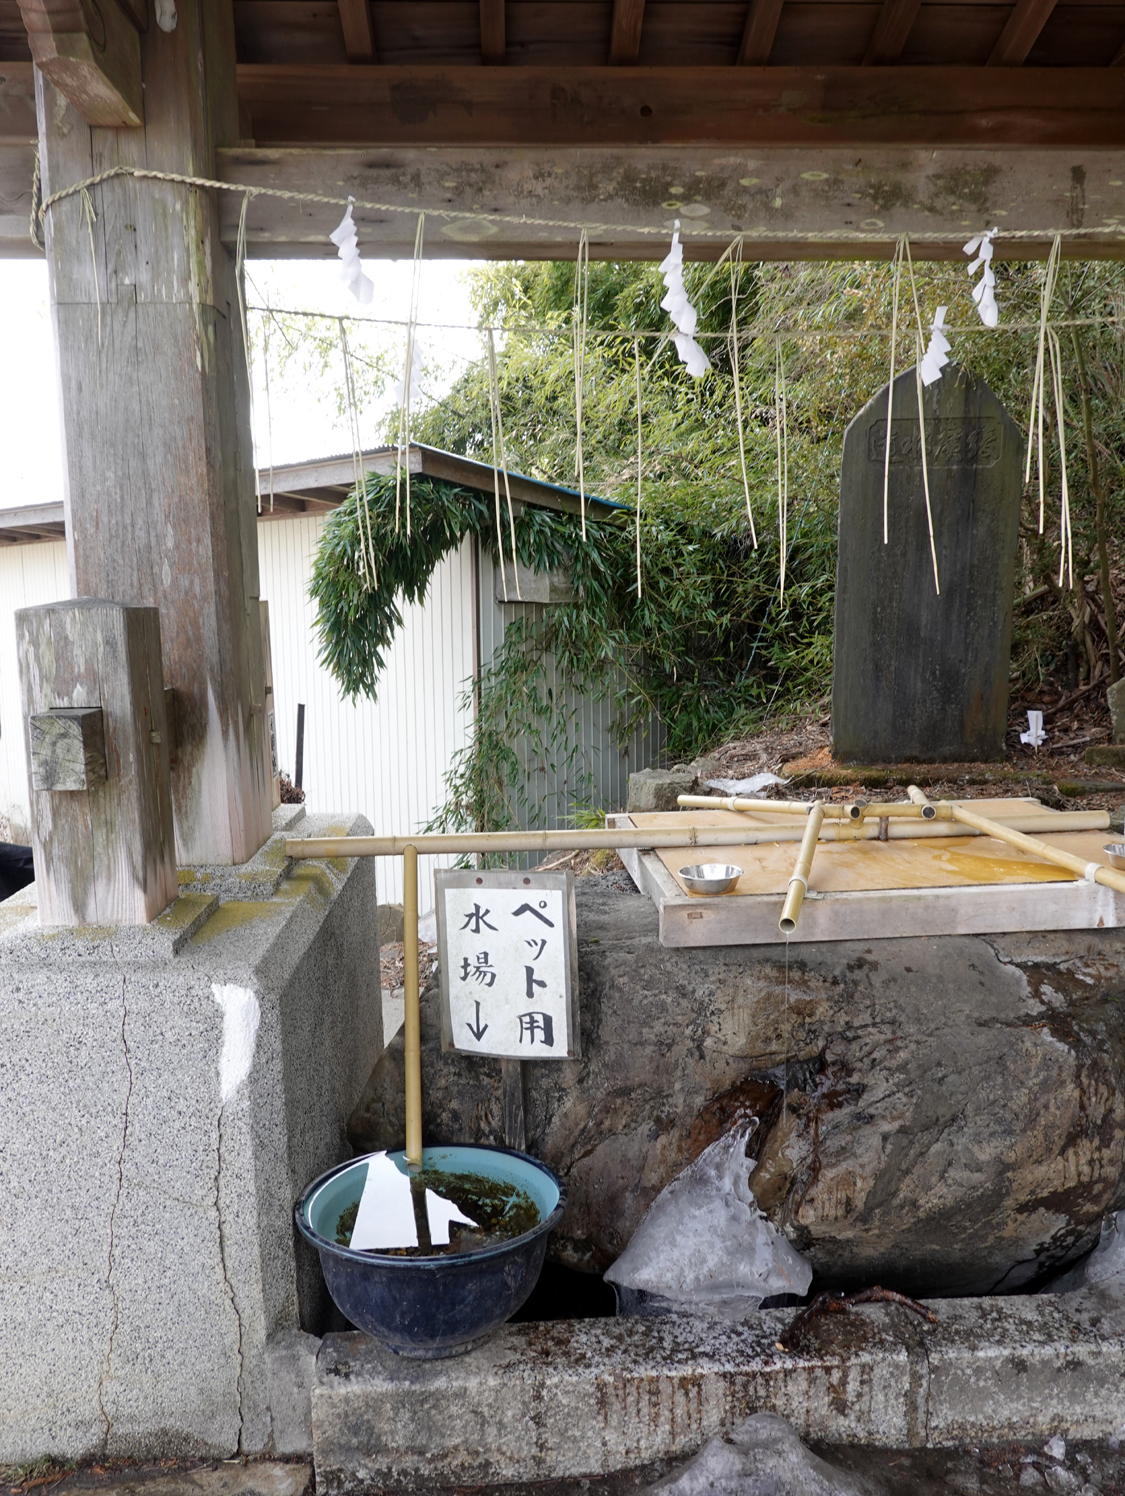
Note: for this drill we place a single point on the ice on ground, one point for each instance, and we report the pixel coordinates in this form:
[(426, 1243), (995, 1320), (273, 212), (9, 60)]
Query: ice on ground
[(1104, 1269), (760, 1457), (750, 786), (703, 1240)]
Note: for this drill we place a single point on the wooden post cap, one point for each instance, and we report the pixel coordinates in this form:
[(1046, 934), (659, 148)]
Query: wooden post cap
[(68, 748)]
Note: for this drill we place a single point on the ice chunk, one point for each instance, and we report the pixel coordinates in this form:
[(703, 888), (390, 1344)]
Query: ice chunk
[(703, 1239), (439, 1214), (1104, 1269), (385, 1219), (749, 786), (760, 1457)]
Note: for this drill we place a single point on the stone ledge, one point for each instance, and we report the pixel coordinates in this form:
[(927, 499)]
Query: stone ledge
[(588, 1397)]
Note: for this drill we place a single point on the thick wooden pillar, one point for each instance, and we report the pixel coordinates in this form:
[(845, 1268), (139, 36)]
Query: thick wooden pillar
[(155, 411)]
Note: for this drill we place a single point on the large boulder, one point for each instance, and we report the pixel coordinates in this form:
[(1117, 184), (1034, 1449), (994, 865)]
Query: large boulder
[(942, 1116)]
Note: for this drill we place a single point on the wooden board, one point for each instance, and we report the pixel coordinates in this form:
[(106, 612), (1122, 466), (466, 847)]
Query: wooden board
[(875, 890)]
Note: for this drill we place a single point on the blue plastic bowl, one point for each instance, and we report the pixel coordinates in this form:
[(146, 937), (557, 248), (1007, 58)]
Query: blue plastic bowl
[(430, 1307)]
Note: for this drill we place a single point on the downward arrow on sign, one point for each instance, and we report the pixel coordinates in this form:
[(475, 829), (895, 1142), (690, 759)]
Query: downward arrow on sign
[(481, 1029)]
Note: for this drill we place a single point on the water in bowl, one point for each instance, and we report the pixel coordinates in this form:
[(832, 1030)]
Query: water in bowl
[(484, 1211)]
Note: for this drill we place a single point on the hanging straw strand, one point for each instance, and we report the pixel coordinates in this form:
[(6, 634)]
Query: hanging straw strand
[(734, 278), (498, 438), (366, 541), (496, 459), (269, 407), (895, 285), (637, 367), (781, 421), (581, 317), (239, 280), (1066, 538), (403, 443), (920, 345), (1035, 418)]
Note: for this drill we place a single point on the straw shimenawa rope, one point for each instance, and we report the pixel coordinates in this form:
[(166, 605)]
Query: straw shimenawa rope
[(525, 220)]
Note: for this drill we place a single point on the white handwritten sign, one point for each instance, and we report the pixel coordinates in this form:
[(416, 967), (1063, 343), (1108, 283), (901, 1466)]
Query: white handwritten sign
[(508, 956)]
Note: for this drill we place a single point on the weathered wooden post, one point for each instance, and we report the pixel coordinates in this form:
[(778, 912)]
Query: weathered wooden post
[(155, 404), (97, 751)]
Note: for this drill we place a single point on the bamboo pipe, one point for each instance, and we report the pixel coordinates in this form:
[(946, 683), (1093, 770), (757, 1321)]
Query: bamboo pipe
[(412, 1023), (918, 798), (853, 811), (1094, 871), (687, 836), (767, 807), (799, 879)]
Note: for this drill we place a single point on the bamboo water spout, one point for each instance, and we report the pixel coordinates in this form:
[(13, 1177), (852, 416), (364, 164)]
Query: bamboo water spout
[(799, 880)]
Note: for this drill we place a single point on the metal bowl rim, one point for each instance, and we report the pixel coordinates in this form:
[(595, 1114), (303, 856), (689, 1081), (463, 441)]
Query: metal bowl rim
[(725, 871)]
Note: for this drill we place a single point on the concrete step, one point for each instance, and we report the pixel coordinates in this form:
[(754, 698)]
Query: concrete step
[(588, 1397)]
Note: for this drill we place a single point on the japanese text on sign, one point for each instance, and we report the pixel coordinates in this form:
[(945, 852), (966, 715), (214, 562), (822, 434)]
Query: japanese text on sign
[(506, 964)]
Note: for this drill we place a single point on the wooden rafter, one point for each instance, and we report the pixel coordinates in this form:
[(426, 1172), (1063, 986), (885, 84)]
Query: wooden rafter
[(359, 33), (1021, 33), (891, 30), (759, 32), (625, 37), (493, 37)]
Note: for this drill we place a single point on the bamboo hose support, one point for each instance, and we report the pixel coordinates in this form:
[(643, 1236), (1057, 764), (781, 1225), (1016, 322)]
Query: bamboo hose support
[(799, 880), (412, 1021)]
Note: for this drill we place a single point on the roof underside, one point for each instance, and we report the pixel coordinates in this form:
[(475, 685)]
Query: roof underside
[(808, 125)]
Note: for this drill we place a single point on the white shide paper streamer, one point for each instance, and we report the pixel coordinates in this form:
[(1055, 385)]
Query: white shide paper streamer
[(984, 292), (936, 355), (343, 236), (680, 309)]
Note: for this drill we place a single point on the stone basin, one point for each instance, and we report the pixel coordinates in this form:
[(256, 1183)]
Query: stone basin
[(954, 1107)]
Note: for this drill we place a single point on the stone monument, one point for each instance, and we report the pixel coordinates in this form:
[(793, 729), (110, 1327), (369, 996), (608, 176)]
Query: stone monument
[(921, 675)]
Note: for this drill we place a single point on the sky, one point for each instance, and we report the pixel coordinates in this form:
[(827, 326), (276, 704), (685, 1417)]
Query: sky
[(300, 418)]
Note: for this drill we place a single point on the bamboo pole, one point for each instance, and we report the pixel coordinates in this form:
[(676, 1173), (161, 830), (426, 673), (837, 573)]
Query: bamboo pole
[(687, 836), (412, 1023), (1094, 871), (799, 879)]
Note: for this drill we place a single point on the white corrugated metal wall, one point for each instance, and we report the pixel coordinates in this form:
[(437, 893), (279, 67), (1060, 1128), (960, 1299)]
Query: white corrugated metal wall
[(29, 575), (608, 763), (385, 758)]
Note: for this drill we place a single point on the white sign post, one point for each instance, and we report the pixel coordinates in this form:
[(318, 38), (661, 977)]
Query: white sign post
[(509, 964)]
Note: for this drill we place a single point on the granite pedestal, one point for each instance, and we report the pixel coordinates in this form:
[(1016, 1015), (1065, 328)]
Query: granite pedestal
[(166, 1091)]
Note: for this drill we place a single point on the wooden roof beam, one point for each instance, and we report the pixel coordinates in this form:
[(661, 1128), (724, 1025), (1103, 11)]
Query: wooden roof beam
[(891, 30), (625, 37), (746, 107), (359, 32), (759, 32), (92, 56), (1021, 33), (493, 33)]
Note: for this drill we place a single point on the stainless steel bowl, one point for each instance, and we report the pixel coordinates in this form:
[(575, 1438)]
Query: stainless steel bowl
[(711, 877), (1115, 851)]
